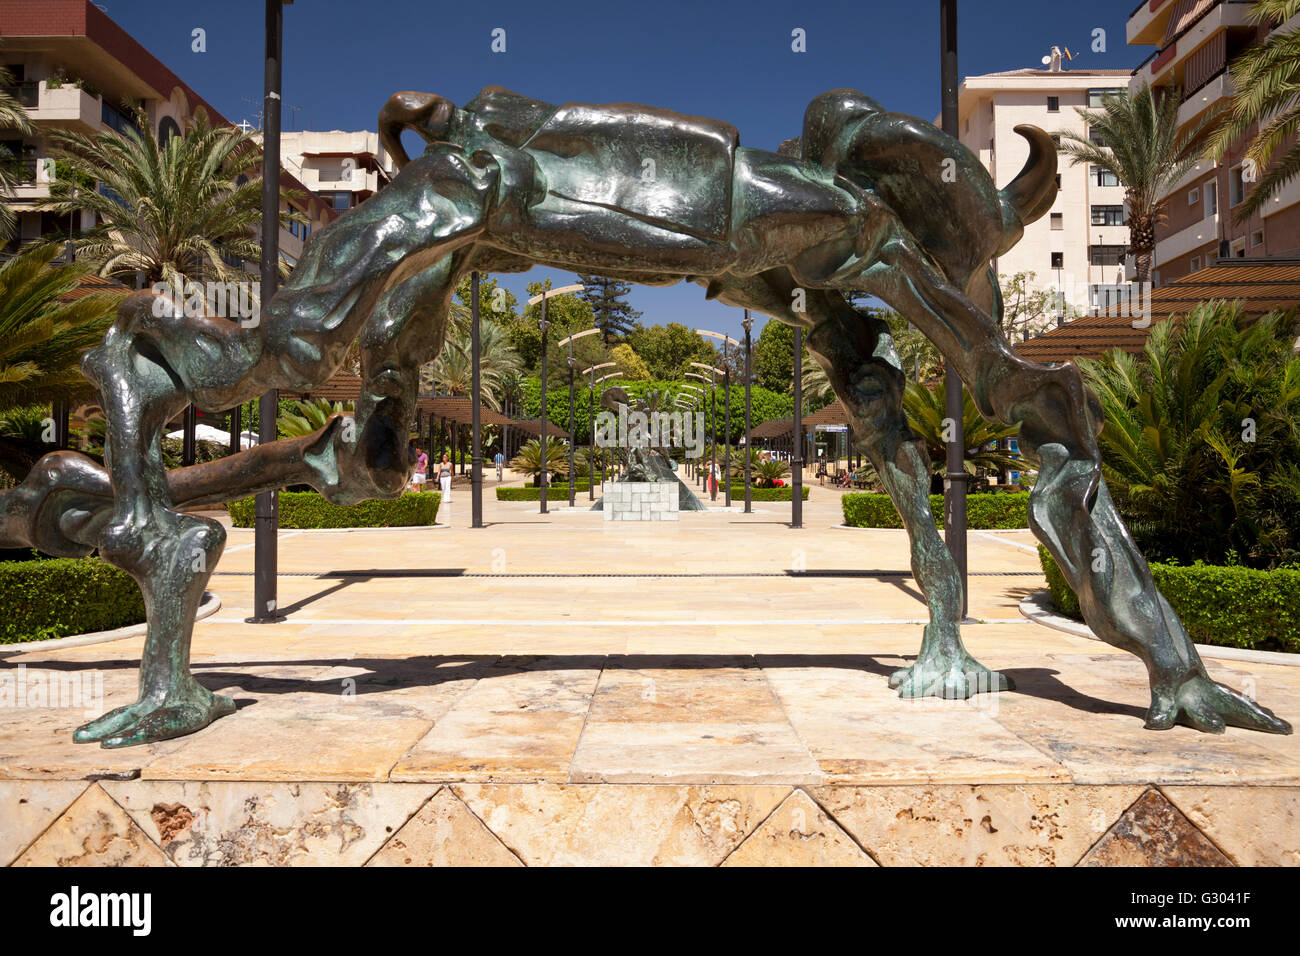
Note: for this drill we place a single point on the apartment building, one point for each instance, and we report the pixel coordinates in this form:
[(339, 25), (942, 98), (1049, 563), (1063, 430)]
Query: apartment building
[(74, 68), (1195, 42), (1077, 250), (341, 168)]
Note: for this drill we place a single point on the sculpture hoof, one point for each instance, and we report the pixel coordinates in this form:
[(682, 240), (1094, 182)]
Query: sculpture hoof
[(1210, 707), (146, 722), (950, 679)]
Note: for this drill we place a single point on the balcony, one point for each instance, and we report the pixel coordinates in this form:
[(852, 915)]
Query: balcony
[(1199, 51), (68, 105), (1147, 23), (1185, 240)]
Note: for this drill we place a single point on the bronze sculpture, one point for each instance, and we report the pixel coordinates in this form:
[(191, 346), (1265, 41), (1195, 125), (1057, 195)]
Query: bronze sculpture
[(645, 462), (875, 202)]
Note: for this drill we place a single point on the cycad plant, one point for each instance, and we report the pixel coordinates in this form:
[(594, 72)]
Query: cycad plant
[(172, 211), (529, 460), (1201, 443), (1145, 150), (1266, 78), (306, 416), (767, 473), (926, 411)]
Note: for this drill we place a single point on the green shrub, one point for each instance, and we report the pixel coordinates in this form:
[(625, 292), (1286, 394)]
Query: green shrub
[(985, 511), (57, 597), (785, 493), (1063, 598), (1227, 606), (307, 509), (534, 493)]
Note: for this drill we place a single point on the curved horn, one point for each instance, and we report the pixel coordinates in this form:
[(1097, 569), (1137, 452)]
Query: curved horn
[(1032, 192), (426, 113)]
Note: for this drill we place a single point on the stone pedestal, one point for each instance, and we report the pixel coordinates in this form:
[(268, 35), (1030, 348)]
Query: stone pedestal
[(639, 500)]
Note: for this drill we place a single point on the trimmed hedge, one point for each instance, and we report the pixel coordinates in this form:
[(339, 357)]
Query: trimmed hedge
[(308, 509), (1004, 510), (561, 492), (1227, 606), (56, 597)]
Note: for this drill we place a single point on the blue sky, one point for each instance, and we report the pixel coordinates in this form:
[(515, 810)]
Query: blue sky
[(728, 60)]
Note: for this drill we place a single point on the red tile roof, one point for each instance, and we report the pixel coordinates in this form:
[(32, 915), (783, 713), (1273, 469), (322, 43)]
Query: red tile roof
[(1261, 285)]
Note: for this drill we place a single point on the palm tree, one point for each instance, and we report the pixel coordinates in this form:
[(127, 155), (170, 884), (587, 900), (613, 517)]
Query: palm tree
[(529, 459), (176, 211), (1266, 77), (308, 416), (42, 338), (1145, 151), (815, 385), (451, 373), (14, 117), (1201, 442)]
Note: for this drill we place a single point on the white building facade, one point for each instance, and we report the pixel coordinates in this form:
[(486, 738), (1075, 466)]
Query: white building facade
[(1076, 251)]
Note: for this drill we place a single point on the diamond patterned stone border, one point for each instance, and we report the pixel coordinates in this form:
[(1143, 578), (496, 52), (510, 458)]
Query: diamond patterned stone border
[(215, 823)]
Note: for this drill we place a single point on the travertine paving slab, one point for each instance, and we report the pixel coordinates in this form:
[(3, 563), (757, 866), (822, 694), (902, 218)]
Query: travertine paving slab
[(520, 724), (239, 823), (28, 807), (444, 833), (798, 833), (344, 747), (862, 732), (977, 825), (94, 831), (686, 724), (579, 825), (1254, 826)]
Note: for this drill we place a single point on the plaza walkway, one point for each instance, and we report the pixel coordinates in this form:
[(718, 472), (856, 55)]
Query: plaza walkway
[(552, 689)]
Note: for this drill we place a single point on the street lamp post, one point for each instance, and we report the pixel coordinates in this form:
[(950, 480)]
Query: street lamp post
[(543, 452), (267, 518), (955, 485), (748, 323), (591, 416), (727, 341), (573, 365), (476, 388), (796, 458), (714, 372), (601, 382)]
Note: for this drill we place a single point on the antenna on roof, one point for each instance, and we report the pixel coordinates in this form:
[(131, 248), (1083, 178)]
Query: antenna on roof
[(1053, 60)]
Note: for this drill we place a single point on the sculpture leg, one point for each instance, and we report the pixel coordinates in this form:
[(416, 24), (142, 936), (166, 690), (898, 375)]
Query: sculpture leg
[(390, 265), (1071, 511), (858, 355)]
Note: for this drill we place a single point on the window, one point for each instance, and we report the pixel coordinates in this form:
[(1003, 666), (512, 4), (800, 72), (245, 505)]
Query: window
[(1211, 191), (1095, 137), (1236, 187), (1257, 237), (1106, 255), (1108, 215), (1193, 196), (1053, 104), (116, 119), (1095, 97), (342, 201), (1239, 248), (1058, 185), (1195, 264), (1058, 221), (1104, 177), (295, 228), (167, 128), (1058, 260)]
